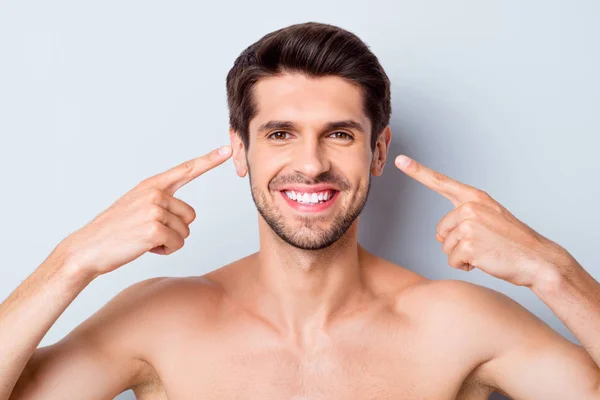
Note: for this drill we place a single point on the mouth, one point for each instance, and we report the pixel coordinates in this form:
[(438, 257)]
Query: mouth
[(314, 201)]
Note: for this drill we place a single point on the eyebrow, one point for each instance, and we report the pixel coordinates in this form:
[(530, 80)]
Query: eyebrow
[(289, 125)]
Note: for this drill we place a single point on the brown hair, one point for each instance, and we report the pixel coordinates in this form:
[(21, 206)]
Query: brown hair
[(315, 49)]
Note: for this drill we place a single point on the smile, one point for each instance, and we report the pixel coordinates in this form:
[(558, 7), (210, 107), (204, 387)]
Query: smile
[(309, 198), (310, 201)]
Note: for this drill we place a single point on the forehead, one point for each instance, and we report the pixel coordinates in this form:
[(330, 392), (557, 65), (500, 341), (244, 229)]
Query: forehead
[(307, 100)]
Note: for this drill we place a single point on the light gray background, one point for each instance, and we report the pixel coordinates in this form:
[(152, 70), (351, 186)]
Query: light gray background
[(96, 96)]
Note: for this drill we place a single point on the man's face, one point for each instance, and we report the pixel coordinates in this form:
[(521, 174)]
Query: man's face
[(309, 157)]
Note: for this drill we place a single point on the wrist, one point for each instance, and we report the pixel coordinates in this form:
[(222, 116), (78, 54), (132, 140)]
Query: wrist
[(68, 264), (554, 273)]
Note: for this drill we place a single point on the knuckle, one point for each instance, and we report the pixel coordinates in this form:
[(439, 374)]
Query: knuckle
[(192, 215), (467, 246), (469, 207), (438, 236), (180, 241), (155, 195), (453, 262), (144, 184), (140, 186), (187, 213), (468, 227), (188, 216), (415, 166), (446, 247), (468, 210), (155, 230), (439, 178), (187, 167), (482, 195), (157, 213), (187, 231)]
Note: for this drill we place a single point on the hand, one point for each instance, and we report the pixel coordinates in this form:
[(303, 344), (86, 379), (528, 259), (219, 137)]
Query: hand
[(481, 233), (147, 218)]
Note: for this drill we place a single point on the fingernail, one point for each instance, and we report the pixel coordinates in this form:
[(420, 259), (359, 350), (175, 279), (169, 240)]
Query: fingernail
[(402, 161), (224, 150)]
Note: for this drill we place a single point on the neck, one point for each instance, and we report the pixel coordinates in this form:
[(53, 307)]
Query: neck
[(302, 290)]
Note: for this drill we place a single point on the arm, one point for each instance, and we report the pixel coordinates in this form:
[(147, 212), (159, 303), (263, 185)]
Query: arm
[(530, 361), (574, 297), (29, 312), (100, 357), (95, 358)]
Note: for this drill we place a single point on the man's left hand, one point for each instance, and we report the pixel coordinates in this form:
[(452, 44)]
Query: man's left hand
[(481, 233)]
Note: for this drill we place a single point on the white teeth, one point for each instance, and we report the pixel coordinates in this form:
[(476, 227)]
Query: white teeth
[(309, 198)]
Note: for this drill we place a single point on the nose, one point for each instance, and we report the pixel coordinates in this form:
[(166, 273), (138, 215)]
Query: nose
[(309, 159)]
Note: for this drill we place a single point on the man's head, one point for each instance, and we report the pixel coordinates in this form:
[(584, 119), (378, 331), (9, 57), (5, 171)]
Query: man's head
[(309, 113)]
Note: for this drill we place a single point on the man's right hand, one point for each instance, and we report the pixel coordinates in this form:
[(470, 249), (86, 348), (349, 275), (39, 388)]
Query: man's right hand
[(147, 218)]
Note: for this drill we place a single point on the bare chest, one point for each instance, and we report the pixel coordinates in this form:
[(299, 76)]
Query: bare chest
[(373, 352), (345, 370)]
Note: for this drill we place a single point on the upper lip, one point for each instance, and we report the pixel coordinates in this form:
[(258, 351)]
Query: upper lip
[(308, 188)]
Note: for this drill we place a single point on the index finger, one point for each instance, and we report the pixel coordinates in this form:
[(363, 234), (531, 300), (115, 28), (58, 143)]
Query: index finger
[(172, 179), (456, 192)]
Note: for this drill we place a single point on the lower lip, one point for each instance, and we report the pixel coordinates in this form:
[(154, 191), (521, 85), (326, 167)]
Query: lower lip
[(310, 208)]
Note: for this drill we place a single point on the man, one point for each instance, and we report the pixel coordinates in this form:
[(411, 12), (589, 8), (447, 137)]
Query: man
[(312, 314)]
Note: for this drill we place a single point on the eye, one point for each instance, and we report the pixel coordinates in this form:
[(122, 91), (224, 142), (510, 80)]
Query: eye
[(279, 135), (342, 135)]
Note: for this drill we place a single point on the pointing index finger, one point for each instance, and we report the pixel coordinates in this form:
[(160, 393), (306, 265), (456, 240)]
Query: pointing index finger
[(172, 179), (456, 192)]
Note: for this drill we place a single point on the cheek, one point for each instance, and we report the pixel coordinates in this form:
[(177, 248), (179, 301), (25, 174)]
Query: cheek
[(358, 170), (262, 172)]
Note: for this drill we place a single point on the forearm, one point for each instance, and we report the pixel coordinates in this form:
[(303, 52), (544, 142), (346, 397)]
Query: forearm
[(31, 309), (574, 296)]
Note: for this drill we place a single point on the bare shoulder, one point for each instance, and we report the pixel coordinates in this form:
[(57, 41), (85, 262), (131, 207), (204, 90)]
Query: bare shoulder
[(491, 320), (108, 351), (157, 311), (132, 328), (165, 307), (482, 309), (145, 306), (502, 333), (449, 303)]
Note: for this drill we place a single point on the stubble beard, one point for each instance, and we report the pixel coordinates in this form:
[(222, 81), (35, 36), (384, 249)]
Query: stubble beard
[(308, 235)]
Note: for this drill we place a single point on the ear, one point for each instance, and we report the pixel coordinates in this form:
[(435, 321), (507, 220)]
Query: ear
[(381, 150), (239, 153)]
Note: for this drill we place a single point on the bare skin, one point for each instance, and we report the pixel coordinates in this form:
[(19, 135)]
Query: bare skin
[(401, 336), (375, 347), (287, 322)]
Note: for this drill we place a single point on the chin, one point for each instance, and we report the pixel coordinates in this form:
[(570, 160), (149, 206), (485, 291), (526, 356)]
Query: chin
[(305, 231), (308, 243), (308, 238)]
